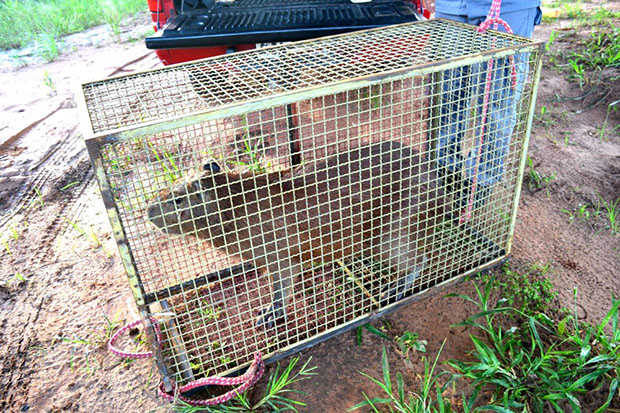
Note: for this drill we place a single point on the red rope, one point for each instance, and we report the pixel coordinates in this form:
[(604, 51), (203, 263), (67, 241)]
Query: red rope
[(492, 19), (128, 355), (245, 381)]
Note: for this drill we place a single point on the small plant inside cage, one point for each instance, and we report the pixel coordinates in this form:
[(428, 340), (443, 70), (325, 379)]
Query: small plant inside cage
[(270, 199)]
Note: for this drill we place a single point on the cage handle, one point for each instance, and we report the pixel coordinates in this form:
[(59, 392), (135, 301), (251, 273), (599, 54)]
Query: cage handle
[(245, 381), (492, 19)]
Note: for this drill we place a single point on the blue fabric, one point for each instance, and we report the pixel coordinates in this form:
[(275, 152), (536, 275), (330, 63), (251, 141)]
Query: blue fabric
[(464, 86), (521, 22), (480, 8)]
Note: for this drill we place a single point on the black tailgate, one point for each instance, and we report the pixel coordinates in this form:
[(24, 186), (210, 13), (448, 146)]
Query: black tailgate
[(266, 21)]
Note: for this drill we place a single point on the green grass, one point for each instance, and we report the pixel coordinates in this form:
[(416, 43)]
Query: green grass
[(427, 398), (600, 51), (17, 278), (381, 333), (254, 155), (606, 129), (543, 364), (611, 211), (43, 21), (537, 180), (277, 396), (82, 357), (581, 213), (526, 355), (552, 38), (608, 211)]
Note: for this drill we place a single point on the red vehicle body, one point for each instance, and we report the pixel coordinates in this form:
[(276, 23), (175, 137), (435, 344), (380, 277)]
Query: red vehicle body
[(171, 17)]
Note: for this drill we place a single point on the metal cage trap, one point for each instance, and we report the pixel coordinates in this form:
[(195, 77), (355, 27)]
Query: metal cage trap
[(269, 199)]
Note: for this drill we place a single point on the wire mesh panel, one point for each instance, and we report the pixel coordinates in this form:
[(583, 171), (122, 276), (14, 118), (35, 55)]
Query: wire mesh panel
[(267, 199)]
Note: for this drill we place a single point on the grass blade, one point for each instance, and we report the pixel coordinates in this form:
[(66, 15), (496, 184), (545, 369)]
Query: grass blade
[(386, 372), (376, 331), (613, 387)]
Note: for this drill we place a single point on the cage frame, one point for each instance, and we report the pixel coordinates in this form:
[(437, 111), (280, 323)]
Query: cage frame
[(95, 140)]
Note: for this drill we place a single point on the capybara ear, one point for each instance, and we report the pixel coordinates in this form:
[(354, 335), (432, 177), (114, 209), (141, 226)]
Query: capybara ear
[(212, 167)]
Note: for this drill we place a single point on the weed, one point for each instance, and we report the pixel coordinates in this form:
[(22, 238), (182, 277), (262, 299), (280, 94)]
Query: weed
[(91, 236), (82, 347), (612, 213), (372, 94), (573, 10), (603, 130), (544, 363), (14, 233), (529, 292), (603, 14), (37, 191), (372, 329), (110, 326), (171, 171), (209, 312), (375, 97), (26, 21), (81, 360), (274, 399), (429, 398), (543, 117), (47, 47), (582, 213), (17, 277), (579, 72), (5, 243), (255, 158), (149, 378), (567, 136), (536, 180), (47, 81), (552, 37), (410, 341), (72, 184), (601, 51)]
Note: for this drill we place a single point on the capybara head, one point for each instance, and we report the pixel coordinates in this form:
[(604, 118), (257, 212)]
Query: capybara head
[(183, 209)]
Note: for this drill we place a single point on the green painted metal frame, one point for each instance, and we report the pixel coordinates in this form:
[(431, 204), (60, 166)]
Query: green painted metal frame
[(127, 258), (149, 128), (93, 147), (526, 142)]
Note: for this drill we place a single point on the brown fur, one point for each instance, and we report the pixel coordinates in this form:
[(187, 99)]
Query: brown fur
[(371, 199)]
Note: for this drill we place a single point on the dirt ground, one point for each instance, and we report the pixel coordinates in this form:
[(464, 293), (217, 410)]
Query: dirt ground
[(61, 276)]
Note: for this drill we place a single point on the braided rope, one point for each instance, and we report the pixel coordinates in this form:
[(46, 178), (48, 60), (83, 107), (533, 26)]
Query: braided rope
[(492, 19), (245, 381), (129, 326)]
